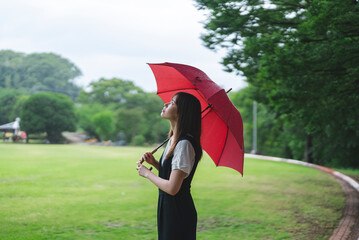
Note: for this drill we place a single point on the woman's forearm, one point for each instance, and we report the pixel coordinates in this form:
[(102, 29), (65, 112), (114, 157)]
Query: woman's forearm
[(161, 183), (171, 186)]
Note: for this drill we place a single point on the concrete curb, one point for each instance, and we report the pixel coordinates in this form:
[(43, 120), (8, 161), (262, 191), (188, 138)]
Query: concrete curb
[(345, 178)]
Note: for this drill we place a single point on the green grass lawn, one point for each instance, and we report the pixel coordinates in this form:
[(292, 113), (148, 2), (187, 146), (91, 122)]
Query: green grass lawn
[(91, 192)]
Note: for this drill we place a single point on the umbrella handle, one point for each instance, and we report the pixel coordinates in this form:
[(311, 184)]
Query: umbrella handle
[(155, 150)]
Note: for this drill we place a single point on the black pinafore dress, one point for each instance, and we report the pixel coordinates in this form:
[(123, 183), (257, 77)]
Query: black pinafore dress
[(177, 215)]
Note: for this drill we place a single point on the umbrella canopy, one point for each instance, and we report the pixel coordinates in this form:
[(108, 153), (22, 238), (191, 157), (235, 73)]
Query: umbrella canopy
[(222, 125)]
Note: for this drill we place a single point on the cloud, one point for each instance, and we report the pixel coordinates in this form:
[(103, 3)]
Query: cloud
[(111, 38)]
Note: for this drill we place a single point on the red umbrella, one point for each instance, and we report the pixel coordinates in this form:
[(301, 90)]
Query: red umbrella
[(222, 126)]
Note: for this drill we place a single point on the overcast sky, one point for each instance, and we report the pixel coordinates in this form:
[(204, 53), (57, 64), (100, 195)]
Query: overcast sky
[(113, 38)]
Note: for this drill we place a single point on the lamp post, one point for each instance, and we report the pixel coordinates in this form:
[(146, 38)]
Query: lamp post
[(254, 144)]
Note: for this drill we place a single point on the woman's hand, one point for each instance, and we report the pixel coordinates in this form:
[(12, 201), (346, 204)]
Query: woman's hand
[(142, 170), (148, 157)]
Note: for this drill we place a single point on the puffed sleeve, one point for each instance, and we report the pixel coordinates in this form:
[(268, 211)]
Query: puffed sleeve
[(183, 157)]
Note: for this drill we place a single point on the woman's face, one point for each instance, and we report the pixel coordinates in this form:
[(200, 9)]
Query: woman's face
[(169, 110)]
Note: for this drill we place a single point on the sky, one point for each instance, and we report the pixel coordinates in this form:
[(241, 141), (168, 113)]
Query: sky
[(113, 38)]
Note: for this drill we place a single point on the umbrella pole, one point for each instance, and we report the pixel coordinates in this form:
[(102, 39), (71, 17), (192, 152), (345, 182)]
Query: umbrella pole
[(155, 150), (158, 147)]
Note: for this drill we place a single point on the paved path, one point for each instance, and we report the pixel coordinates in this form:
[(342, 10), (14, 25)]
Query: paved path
[(348, 227), (75, 137)]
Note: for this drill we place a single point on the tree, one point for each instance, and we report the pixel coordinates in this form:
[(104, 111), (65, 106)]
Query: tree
[(84, 114), (48, 112), (104, 124), (18, 106), (139, 140), (131, 122), (302, 59), (155, 128), (8, 100), (136, 112), (113, 92), (275, 136), (38, 72)]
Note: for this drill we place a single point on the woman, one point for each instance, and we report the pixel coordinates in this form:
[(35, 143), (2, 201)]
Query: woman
[(176, 213)]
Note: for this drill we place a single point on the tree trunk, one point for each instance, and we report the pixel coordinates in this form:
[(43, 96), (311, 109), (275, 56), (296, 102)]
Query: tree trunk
[(308, 150)]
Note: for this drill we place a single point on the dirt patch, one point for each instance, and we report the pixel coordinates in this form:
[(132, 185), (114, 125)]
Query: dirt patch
[(213, 222), (114, 224)]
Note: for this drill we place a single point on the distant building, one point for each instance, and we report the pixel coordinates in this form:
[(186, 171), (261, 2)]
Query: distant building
[(12, 129)]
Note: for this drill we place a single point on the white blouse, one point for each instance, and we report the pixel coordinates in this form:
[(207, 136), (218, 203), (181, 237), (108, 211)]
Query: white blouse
[(183, 156)]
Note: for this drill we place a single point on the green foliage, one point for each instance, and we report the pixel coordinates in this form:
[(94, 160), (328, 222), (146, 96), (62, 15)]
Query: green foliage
[(104, 124), (48, 112), (38, 72), (84, 114), (18, 106), (112, 92), (131, 122), (9, 99), (135, 111), (301, 57), (274, 136), (139, 140)]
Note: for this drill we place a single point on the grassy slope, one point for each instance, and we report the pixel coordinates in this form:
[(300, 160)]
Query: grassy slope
[(83, 192)]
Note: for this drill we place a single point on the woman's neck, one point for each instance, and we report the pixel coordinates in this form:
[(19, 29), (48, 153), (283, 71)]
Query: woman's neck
[(173, 127)]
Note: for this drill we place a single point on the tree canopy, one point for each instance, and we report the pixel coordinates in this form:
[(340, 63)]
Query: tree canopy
[(302, 60), (104, 124), (8, 100), (48, 112), (135, 112), (38, 72)]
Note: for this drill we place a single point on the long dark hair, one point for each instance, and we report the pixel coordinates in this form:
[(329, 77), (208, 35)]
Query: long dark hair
[(189, 121)]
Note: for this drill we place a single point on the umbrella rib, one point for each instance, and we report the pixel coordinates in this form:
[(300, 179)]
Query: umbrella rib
[(210, 110), (176, 90), (224, 145), (209, 106)]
